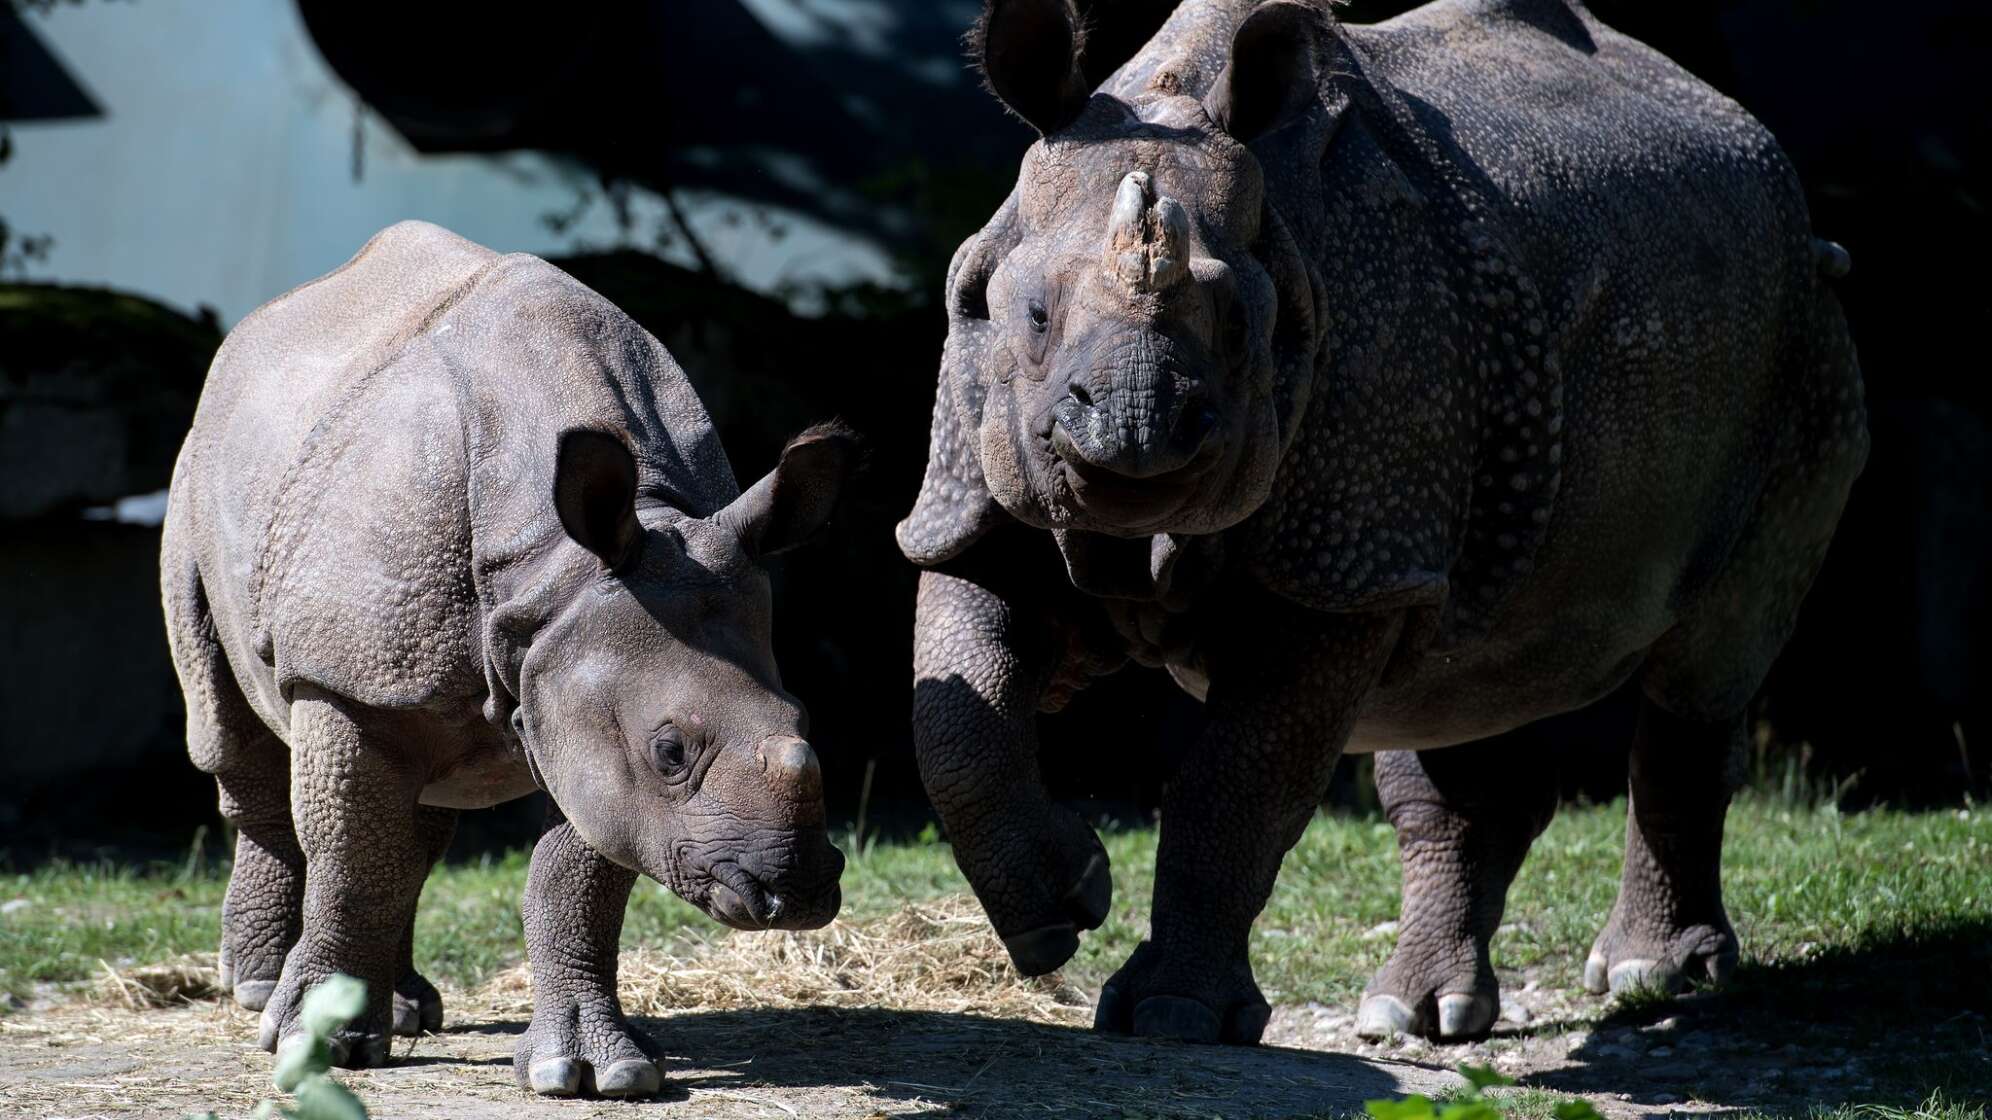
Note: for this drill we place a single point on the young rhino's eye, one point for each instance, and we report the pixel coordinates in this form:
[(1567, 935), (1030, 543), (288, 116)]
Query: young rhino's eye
[(1039, 320), (667, 751)]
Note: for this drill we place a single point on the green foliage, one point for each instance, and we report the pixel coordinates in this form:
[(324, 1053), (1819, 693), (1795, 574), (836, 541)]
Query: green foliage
[(1472, 1104), (304, 1062)]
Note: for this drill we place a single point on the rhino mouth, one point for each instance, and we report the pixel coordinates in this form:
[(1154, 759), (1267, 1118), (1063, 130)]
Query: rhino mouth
[(741, 900), (1121, 499)]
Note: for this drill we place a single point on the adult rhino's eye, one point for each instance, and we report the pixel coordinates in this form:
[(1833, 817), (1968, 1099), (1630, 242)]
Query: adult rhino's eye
[(667, 751), (1039, 319)]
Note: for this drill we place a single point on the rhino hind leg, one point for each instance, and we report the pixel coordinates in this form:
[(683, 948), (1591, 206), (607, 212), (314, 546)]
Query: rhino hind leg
[(418, 1007), (579, 1042), (262, 911), (1465, 817), (1668, 929)]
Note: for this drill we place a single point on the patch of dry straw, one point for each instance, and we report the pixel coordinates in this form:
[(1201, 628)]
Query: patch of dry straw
[(167, 984), (930, 956)]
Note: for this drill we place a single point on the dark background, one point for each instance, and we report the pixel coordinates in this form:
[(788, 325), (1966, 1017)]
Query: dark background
[(1882, 695)]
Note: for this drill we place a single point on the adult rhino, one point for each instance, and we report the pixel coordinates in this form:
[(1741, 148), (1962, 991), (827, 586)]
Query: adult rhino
[(1391, 387)]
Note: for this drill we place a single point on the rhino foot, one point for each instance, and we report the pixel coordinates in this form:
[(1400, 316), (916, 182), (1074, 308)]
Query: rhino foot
[(1443, 992), (1158, 994), (363, 1044), (418, 1007), (1451, 1017), (585, 1048), (1081, 906), (1661, 962)]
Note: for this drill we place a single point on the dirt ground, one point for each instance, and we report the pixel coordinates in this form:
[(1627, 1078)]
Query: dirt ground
[(77, 1062), (920, 1015)]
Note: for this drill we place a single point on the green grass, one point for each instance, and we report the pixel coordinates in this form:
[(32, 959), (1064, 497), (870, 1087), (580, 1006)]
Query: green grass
[(1801, 884), (1858, 931)]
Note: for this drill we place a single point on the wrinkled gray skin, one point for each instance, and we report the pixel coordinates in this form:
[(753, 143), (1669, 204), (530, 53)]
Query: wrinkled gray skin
[(449, 525), (1392, 387)]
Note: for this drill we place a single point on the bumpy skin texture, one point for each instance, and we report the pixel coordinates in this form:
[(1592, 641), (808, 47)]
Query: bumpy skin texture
[(1392, 387), (1465, 817), (447, 527), (578, 1043)]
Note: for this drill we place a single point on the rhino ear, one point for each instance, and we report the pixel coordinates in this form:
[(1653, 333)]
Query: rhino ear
[(787, 506), (594, 491), (1028, 52), (1271, 75)]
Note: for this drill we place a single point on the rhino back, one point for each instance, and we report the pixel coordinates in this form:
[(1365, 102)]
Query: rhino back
[(1676, 349), (373, 459)]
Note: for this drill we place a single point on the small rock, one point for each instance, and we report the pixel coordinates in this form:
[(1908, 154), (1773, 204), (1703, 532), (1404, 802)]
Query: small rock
[(15, 905), (1661, 1052), (1670, 1023), (1380, 931), (1512, 1011)]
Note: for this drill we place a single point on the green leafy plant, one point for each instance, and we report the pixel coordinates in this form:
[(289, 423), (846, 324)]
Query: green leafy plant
[(303, 1066), (1473, 1104)]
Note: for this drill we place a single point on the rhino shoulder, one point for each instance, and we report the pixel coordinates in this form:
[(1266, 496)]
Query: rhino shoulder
[(364, 582), (955, 508)]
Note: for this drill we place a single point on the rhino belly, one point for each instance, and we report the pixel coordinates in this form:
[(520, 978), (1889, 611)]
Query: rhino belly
[(489, 774)]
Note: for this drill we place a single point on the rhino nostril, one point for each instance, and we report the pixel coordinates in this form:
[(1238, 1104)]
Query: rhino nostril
[(1078, 393)]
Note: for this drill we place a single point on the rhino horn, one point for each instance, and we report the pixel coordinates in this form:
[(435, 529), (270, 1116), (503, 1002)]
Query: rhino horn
[(1148, 237)]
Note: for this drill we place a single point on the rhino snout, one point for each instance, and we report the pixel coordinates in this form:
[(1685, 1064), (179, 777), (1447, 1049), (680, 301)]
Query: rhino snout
[(1142, 439), (799, 890)]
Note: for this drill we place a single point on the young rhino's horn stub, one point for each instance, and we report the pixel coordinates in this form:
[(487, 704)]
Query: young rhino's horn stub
[(1148, 238), (791, 769)]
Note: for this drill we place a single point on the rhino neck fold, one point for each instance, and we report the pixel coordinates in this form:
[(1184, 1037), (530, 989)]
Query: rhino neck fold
[(532, 353)]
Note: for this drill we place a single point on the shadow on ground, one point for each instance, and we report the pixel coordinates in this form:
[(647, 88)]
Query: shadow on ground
[(1888, 1022), (991, 1067)]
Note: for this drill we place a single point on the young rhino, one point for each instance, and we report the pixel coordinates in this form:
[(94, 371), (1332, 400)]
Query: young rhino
[(449, 527)]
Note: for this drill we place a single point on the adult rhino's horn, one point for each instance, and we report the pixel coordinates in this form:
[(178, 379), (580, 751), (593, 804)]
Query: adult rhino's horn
[(1148, 238)]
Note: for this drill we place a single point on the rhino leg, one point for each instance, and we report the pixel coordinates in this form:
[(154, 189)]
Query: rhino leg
[(1465, 817), (983, 664), (354, 806), (418, 1007), (579, 1042), (1668, 928), (263, 910), (1281, 706)]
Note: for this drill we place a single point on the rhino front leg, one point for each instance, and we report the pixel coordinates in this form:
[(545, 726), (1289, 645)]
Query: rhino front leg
[(579, 1042), (1281, 706), (982, 663), (353, 800), (1668, 927), (1465, 817), (418, 1006)]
